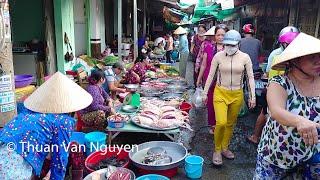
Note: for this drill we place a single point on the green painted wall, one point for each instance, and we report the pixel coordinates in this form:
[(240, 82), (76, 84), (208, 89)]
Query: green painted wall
[(27, 17), (64, 22)]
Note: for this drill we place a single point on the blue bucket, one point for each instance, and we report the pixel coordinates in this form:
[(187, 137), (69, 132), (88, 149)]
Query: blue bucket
[(152, 177), (95, 141), (78, 137), (193, 166)]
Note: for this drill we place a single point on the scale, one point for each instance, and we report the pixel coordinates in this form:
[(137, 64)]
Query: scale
[(133, 98)]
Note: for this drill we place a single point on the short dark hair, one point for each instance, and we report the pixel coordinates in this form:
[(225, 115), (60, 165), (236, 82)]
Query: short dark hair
[(202, 26), (96, 76), (141, 57), (221, 26), (118, 65)]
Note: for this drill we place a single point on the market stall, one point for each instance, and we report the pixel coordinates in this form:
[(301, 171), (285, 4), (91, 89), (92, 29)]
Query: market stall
[(159, 112)]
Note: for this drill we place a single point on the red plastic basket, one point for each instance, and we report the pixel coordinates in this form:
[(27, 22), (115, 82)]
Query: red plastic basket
[(96, 157), (186, 107)]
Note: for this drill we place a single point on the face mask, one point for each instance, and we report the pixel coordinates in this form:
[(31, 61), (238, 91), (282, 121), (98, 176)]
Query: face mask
[(231, 50)]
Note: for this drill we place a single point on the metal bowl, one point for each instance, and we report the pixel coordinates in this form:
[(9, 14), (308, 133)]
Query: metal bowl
[(132, 87), (176, 151), (105, 173), (156, 150), (129, 108)]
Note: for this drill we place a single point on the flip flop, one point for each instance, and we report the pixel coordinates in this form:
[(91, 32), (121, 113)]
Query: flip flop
[(228, 154), (217, 159)]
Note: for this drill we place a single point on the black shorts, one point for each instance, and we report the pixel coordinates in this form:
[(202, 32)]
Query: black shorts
[(262, 102)]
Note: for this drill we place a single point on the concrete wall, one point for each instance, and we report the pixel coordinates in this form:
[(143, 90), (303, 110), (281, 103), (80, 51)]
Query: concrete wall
[(64, 22)]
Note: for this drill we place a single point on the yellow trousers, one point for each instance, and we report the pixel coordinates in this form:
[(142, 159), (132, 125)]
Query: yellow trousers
[(227, 105)]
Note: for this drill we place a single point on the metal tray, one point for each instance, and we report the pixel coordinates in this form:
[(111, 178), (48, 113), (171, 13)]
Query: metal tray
[(176, 151), (134, 121), (151, 92), (170, 96), (175, 87), (166, 80)]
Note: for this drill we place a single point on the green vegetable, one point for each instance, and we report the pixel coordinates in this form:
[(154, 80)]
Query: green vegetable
[(110, 60)]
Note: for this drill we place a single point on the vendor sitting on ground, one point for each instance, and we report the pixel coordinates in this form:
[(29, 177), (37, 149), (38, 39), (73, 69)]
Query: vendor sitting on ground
[(159, 49), (137, 73), (113, 79), (44, 125), (94, 116)]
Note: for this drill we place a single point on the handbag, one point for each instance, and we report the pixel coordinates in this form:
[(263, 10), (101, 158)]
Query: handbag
[(69, 55)]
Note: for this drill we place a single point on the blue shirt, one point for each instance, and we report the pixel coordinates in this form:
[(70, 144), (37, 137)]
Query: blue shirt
[(33, 133), (253, 48), (183, 44), (274, 53)]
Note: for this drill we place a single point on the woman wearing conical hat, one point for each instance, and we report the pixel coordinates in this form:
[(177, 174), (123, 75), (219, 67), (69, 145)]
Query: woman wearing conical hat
[(183, 50), (290, 137), (43, 127)]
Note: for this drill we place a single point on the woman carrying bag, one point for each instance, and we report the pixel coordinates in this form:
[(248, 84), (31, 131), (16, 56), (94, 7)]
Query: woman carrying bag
[(230, 65), (209, 48)]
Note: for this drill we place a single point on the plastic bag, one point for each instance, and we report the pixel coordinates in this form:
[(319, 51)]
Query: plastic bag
[(198, 98), (244, 110)]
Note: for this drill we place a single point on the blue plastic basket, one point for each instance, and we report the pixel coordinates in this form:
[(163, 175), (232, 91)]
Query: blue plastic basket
[(116, 124), (152, 177)]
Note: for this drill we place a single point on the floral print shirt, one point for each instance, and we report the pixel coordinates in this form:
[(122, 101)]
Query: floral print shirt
[(140, 69), (100, 100), (34, 133), (281, 145)]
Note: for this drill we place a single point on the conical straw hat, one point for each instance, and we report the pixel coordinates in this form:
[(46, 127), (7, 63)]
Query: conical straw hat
[(302, 45), (211, 31), (58, 95), (180, 30)]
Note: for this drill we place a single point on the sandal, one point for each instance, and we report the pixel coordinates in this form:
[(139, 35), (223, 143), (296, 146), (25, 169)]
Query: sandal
[(211, 130), (217, 159), (228, 154), (252, 140)]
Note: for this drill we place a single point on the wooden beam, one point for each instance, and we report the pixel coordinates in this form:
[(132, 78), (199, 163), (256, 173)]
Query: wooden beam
[(316, 34), (144, 18), (135, 28), (119, 29)]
